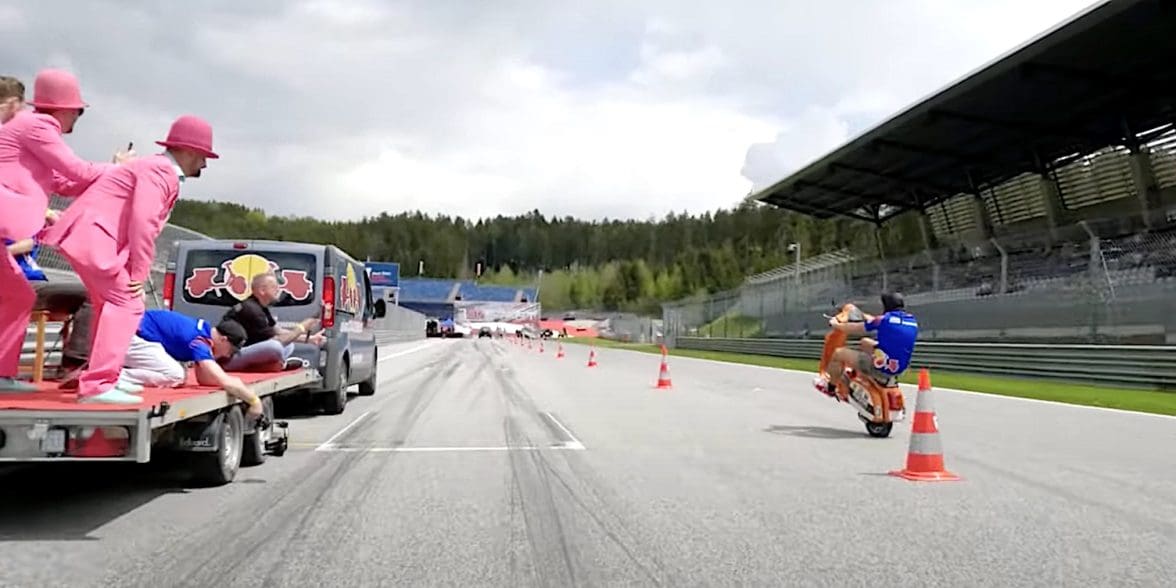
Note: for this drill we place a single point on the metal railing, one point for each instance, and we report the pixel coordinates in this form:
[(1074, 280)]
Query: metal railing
[(1149, 366)]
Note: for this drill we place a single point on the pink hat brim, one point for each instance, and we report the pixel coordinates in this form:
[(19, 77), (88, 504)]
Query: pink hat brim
[(182, 145), (51, 106)]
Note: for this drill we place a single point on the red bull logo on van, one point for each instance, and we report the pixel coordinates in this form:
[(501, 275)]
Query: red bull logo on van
[(349, 300), (235, 276)]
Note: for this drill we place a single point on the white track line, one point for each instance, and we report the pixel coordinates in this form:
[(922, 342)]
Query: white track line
[(938, 388), (492, 448), (573, 442), (326, 445), (406, 352)]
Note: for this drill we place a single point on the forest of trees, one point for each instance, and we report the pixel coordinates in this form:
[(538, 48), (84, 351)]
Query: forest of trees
[(616, 265)]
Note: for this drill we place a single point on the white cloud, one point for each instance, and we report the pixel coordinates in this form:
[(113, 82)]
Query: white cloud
[(338, 108)]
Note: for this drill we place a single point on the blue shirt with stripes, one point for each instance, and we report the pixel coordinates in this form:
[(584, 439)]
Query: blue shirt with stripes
[(185, 338), (896, 334)]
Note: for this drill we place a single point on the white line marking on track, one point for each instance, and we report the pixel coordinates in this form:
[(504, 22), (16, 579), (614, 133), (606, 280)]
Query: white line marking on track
[(912, 387), (405, 352), (329, 442), (573, 442), (491, 448)]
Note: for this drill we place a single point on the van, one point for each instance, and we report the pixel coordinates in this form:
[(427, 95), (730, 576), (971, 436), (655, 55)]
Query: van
[(207, 277)]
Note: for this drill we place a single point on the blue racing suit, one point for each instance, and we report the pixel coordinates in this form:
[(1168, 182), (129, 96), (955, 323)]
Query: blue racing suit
[(896, 332)]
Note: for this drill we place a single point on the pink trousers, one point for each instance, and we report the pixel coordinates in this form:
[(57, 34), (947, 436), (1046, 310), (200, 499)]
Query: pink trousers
[(94, 256), (17, 298)]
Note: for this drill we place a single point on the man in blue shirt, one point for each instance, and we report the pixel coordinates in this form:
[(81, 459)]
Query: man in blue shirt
[(882, 358), (166, 340)]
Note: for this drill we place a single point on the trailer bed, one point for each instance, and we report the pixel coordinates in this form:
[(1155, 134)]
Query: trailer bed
[(27, 419)]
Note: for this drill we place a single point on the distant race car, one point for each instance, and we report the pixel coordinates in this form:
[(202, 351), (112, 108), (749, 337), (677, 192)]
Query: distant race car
[(484, 332)]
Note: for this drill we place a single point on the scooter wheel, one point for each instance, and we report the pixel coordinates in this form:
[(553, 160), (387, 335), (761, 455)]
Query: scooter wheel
[(879, 430)]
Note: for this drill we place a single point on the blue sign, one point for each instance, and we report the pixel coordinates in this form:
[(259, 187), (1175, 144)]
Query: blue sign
[(383, 273)]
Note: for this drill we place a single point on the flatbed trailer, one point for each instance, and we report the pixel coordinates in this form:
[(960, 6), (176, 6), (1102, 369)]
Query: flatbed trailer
[(204, 422)]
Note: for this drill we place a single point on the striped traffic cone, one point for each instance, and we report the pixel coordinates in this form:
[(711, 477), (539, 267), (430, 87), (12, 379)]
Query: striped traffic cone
[(559, 352), (925, 455), (592, 357), (663, 376)]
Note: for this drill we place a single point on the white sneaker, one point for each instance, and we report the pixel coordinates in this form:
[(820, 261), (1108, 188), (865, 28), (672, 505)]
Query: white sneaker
[(821, 383)]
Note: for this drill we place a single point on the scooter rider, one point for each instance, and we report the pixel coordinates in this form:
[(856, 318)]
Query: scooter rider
[(881, 358)]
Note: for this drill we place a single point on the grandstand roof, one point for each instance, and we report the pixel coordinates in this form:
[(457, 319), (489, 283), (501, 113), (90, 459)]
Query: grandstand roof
[(1070, 91)]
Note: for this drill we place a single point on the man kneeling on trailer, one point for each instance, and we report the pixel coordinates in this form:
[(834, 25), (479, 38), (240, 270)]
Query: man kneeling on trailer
[(166, 338)]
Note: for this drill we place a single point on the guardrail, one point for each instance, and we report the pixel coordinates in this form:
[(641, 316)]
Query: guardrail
[(1152, 366)]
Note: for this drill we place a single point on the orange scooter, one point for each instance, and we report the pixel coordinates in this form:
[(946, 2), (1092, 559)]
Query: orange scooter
[(879, 403)]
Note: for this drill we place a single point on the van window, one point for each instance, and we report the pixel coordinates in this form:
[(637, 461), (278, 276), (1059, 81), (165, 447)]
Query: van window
[(221, 277)]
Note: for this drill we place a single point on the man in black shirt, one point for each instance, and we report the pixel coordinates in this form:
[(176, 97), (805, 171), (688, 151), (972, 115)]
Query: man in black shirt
[(267, 346)]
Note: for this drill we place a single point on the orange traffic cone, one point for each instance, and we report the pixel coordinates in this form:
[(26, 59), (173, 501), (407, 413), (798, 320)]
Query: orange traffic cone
[(592, 357), (559, 353), (925, 456), (540, 346), (663, 377)]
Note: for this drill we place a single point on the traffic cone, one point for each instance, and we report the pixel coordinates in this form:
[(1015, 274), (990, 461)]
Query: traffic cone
[(540, 346), (559, 353), (925, 455), (663, 377), (592, 357)]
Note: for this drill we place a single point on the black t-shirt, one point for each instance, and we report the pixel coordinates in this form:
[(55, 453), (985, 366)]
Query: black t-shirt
[(256, 318)]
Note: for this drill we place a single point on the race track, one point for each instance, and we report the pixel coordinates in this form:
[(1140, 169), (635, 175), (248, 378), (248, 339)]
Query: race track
[(480, 463)]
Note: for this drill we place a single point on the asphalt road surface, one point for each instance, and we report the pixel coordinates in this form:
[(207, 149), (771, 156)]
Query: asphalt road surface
[(480, 463)]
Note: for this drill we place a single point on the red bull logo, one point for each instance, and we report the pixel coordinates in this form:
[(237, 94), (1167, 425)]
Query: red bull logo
[(235, 276), (349, 300)]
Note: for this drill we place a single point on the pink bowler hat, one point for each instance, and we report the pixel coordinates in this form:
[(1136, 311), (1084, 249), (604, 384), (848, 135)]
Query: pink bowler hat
[(190, 132), (56, 89)]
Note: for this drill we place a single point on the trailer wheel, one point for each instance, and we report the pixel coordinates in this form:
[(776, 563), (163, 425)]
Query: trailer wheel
[(220, 467), (368, 387), (335, 400), (253, 448)]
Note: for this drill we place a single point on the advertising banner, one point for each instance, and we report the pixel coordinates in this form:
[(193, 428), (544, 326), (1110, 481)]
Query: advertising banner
[(488, 312), (383, 273)]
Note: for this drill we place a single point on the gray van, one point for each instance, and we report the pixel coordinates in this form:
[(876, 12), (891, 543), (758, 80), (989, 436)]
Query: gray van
[(205, 278)]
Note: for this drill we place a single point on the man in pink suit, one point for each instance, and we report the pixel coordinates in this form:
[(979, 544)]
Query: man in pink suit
[(34, 162), (109, 235)]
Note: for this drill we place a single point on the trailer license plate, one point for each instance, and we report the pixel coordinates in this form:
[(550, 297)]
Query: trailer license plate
[(54, 441)]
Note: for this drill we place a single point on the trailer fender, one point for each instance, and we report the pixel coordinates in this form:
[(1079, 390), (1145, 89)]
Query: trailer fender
[(199, 436)]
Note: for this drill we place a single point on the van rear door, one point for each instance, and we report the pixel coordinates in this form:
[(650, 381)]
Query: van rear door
[(212, 276)]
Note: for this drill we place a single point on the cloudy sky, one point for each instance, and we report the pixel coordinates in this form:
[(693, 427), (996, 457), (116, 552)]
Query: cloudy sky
[(600, 108)]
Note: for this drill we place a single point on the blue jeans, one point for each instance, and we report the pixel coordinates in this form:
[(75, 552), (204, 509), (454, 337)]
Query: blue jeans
[(268, 355)]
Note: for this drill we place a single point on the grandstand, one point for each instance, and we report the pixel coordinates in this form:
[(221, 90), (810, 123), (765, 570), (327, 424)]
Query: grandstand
[(1044, 184), (439, 297)]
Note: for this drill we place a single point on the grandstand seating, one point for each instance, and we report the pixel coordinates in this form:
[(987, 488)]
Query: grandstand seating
[(425, 290), (446, 290), (472, 291)]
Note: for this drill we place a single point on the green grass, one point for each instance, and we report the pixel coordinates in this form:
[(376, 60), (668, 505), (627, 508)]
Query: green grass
[(1151, 401), (732, 326)]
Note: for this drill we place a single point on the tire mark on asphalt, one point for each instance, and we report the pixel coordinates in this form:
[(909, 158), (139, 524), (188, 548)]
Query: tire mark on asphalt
[(302, 496), (534, 470), (1140, 522), (350, 509)]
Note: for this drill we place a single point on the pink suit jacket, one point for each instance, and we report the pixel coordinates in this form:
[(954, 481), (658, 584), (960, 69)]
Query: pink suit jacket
[(115, 222), (34, 163)]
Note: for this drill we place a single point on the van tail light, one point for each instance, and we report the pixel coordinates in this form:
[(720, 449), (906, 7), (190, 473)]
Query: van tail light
[(169, 289), (328, 318)]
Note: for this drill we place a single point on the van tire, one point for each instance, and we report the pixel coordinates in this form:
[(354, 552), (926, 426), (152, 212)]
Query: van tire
[(368, 387), (253, 449), (220, 467), (335, 401)]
